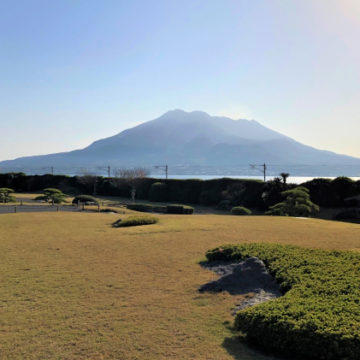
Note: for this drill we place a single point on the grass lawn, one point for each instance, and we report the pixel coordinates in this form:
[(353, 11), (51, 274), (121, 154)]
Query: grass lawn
[(73, 287)]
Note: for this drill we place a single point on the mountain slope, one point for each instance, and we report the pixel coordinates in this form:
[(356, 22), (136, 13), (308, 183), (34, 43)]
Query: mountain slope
[(194, 138)]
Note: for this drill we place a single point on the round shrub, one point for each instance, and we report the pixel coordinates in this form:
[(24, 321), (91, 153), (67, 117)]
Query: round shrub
[(188, 210), (85, 199), (240, 210), (158, 192), (135, 221)]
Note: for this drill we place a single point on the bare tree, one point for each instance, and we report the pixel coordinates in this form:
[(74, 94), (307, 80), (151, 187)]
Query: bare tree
[(131, 174), (130, 177)]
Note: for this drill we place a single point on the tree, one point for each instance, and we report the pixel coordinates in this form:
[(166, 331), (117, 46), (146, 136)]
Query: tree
[(85, 199), (284, 176), (297, 203), (54, 196), (272, 192), (131, 177), (5, 195), (131, 174)]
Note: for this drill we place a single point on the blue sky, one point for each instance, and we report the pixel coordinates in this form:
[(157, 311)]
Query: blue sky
[(73, 71)]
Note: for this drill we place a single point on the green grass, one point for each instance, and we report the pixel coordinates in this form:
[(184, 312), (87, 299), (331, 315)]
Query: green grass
[(319, 315), (73, 287)]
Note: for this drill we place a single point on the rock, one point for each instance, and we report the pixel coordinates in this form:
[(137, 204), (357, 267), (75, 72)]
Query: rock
[(249, 276)]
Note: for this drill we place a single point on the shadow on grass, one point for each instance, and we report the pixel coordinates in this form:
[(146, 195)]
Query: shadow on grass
[(239, 349)]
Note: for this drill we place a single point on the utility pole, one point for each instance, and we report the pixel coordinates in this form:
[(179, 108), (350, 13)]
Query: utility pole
[(163, 167), (108, 169), (264, 165), (52, 170), (258, 167)]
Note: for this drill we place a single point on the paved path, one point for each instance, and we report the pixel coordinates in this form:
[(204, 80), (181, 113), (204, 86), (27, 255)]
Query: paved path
[(8, 209)]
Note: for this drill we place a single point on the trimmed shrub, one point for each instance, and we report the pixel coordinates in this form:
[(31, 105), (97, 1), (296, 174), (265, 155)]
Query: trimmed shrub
[(158, 192), (297, 203), (5, 195), (159, 209), (135, 221), (86, 199), (140, 207), (52, 195), (179, 209), (108, 210), (240, 210), (319, 316)]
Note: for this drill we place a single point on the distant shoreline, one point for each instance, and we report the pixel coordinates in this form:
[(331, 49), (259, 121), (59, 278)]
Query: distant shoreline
[(291, 179)]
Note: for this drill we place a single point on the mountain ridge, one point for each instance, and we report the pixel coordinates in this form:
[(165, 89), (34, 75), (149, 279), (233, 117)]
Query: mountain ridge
[(195, 138)]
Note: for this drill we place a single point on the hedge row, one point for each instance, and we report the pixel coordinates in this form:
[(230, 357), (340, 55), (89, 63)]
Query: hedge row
[(193, 191), (319, 315), (169, 209), (332, 193), (238, 192)]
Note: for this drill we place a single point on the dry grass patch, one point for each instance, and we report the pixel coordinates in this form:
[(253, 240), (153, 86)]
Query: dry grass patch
[(73, 287)]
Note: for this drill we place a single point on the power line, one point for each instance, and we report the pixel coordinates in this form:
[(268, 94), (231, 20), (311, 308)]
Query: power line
[(163, 167), (263, 169)]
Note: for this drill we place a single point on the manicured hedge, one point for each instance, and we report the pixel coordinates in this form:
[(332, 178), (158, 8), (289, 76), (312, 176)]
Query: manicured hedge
[(158, 192), (319, 315), (332, 193), (170, 209), (240, 210), (194, 191), (249, 193), (135, 221), (179, 209), (140, 207), (159, 209)]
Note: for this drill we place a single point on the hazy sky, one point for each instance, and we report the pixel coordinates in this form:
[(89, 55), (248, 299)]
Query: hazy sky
[(72, 71)]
